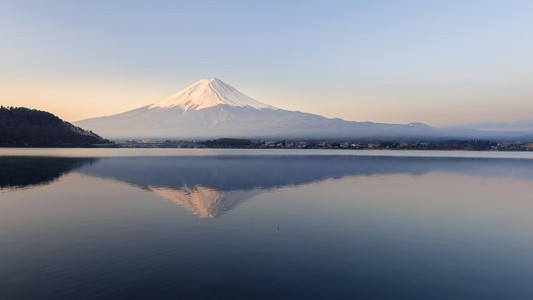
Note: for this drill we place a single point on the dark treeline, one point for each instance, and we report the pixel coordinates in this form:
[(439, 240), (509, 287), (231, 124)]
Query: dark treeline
[(229, 143), (23, 127)]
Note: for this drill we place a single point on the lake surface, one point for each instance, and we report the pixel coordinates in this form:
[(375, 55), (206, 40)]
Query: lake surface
[(205, 224)]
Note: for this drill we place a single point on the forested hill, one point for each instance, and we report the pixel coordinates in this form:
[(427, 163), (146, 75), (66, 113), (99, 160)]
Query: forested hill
[(23, 127)]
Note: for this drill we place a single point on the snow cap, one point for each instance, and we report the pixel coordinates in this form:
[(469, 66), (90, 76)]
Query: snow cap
[(206, 93)]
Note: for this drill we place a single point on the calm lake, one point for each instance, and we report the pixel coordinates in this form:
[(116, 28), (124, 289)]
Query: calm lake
[(212, 224)]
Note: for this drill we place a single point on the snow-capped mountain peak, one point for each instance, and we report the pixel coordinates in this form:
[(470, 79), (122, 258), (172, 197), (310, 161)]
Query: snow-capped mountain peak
[(206, 93)]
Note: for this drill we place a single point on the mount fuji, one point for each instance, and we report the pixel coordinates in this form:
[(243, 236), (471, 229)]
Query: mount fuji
[(211, 108)]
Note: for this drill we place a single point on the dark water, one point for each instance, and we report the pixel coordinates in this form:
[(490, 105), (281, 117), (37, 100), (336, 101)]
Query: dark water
[(277, 226)]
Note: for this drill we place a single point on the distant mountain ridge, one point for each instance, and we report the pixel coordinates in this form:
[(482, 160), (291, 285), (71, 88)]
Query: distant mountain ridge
[(211, 108), (23, 127)]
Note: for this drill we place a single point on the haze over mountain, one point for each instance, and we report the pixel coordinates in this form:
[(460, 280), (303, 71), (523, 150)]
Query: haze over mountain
[(211, 108), (520, 125)]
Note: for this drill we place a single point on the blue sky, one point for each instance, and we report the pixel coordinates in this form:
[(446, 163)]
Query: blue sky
[(438, 62)]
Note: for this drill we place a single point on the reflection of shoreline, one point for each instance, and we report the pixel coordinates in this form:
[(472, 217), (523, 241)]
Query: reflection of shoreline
[(202, 201), (24, 172), (211, 186)]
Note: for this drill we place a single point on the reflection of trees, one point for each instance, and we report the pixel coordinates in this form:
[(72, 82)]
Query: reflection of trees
[(19, 172)]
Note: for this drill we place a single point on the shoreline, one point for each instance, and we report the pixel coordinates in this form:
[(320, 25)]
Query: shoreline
[(139, 152)]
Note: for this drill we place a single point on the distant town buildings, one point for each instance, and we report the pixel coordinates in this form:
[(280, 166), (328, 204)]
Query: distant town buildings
[(479, 145)]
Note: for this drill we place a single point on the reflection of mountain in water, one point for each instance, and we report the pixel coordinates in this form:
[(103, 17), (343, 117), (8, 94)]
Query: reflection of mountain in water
[(20, 172), (202, 201), (210, 186)]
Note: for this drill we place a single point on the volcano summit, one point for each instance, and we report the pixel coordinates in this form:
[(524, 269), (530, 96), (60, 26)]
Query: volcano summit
[(207, 93)]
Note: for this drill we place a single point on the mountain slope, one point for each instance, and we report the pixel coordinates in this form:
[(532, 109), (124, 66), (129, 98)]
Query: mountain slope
[(21, 126), (211, 108)]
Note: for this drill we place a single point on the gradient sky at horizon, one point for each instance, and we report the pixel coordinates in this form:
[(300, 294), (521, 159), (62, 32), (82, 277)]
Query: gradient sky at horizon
[(437, 62)]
